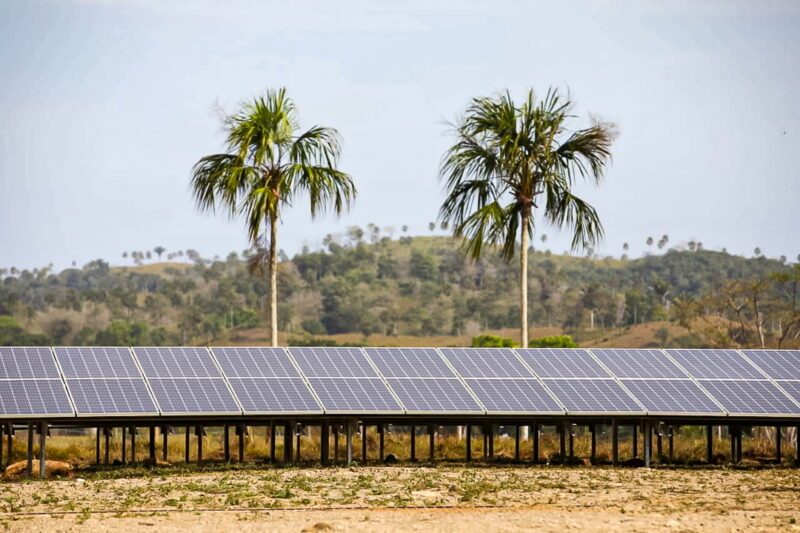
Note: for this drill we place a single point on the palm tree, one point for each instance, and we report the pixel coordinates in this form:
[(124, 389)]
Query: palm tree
[(510, 159), (159, 250), (268, 163)]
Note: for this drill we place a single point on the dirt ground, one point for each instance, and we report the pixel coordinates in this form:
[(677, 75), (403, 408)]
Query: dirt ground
[(447, 498)]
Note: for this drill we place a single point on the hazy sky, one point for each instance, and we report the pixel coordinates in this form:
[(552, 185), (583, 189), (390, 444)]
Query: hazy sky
[(106, 104)]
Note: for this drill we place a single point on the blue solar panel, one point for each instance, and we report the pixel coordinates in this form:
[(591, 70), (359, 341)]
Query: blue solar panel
[(34, 397), (18, 362), (715, 364), (111, 396), (255, 362), (208, 395), (792, 388), (274, 395), (638, 363), (434, 395), (777, 364), (177, 362), (750, 397), (513, 396), (409, 362), (96, 362), (486, 362), (562, 363), (671, 396), (361, 395), (333, 362), (592, 396)]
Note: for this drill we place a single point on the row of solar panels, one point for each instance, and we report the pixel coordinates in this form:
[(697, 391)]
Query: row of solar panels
[(220, 381)]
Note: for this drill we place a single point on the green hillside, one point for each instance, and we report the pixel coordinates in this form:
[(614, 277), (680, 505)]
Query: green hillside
[(414, 287)]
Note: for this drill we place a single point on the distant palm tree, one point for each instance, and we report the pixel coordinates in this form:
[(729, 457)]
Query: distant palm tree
[(509, 159), (159, 250), (404, 228), (270, 162), (757, 251)]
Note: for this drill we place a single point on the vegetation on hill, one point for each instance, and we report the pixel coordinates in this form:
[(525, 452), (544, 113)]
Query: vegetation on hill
[(377, 287)]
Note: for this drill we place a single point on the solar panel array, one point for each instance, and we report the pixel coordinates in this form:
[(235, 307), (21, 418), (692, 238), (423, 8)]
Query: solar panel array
[(30, 383), (501, 381), (579, 381), (422, 381), (40, 382)]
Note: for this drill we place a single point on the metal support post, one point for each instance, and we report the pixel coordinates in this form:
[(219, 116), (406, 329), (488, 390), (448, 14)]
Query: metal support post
[(635, 441), (671, 443), (336, 444), (324, 443), (226, 443), (29, 471), (152, 445), (659, 444), (96, 447), (186, 446), (241, 430), (432, 437), (349, 443), (10, 446), (485, 433), (535, 433), (491, 441), (778, 444), (648, 443), (364, 442), (42, 456), (516, 443), (272, 435), (199, 433), (796, 446), (123, 441), (287, 442), (562, 444), (732, 435), (133, 445), (614, 442), (380, 443), (107, 437), (593, 451), (571, 431), (709, 444), (413, 442), (469, 442), (165, 443), (299, 432)]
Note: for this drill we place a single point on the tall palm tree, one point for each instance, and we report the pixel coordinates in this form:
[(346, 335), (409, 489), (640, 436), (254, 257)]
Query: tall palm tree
[(510, 160), (268, 163)]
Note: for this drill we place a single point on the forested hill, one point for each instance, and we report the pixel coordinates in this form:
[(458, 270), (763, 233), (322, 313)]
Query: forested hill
[(417, 286)]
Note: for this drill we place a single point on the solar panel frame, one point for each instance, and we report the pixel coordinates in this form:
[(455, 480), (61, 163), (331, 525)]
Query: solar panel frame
[(738, 387), (558, 386), (453, 392), (638, 363), (10, 368), (562, 363), (419, 362), (476, 368), (488, 392), (31, 392), (716, 364), (776, 364), (325, 389), (255, 362), (98, 388), (245, 395), (319, 362), (638, 388), (159, 386)]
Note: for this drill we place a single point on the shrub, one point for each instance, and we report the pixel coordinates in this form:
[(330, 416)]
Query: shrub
[(492, 341), (556, 341)]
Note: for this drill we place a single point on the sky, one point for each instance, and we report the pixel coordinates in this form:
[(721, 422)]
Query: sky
[(105, 105)]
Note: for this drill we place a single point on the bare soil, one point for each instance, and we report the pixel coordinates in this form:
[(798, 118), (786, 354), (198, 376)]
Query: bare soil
[(446, 498)]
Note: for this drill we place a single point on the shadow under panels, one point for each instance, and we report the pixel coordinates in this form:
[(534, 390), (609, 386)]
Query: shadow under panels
[(105, 381), (423, 381), (266, 381), (186, 381), (579, 382), (30, 384), (736, 383), (657, 382), (502, 383), (344, 381)]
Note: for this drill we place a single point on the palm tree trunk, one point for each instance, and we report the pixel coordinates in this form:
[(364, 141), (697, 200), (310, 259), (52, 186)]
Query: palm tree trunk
[(523, 282), (273, 279)]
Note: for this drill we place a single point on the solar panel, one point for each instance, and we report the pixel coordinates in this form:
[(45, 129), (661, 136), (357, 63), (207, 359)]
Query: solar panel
[(792, 388), (486, 362), (34, 397), (354, 395), (638, 363), (672, 396), (111, 396), (715, 364), (513, 396), (592, 396), (777, 364), (562, 362), (176, 362), (96, 362), (332, 362), (409, 362), (274, 395), (255, 362), (750, 397), (18, 362), (434, 395), (184, 396)]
